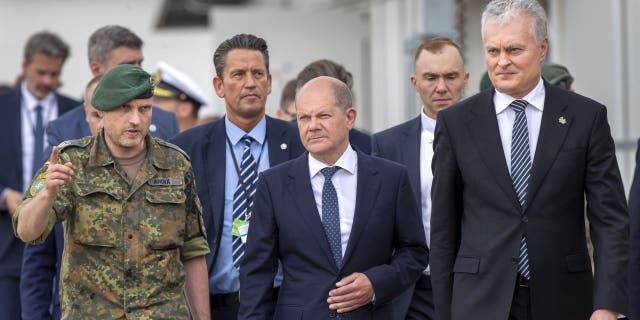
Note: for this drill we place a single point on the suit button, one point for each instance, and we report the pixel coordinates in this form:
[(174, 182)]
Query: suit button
[(525, 219), (332, 314), (514, 260)]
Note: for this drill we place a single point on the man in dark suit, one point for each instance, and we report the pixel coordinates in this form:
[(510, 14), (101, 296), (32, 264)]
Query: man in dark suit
[(325, 67), (108, 46), (439, 78), (218, 150), (634, 259), (344, 224), (26, 111), (512, 169)]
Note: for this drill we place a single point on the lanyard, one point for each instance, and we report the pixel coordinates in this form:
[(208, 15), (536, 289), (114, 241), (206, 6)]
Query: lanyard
[(244, 187)]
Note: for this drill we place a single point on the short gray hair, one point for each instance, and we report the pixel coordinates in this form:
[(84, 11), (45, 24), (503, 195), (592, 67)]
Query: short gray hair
[(46, 43), (501, 11), (342, 95), (104, 40)]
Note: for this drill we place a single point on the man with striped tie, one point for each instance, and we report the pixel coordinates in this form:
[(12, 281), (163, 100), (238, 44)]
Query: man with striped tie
[(227, 156), (512, 168)]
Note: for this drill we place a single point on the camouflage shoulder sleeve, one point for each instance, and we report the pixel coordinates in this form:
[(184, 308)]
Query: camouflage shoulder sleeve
[(79, 143), (172, 146)]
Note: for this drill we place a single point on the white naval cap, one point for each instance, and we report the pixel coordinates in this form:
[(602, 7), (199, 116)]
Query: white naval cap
[(173, 83)]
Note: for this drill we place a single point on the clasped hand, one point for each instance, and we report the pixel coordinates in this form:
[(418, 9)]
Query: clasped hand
[(351, 292)]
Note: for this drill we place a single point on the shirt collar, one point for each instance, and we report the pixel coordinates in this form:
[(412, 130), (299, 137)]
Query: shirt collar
[(428, 124), (347, 161), (535, 98), (234, 133), (30, 102)]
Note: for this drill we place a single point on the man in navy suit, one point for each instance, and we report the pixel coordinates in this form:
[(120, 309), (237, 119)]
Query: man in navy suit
[(344, 224), (634, 259), (108, 46), (513, 166), (217, 149), (325, 67), (439, 78), (26, 112)]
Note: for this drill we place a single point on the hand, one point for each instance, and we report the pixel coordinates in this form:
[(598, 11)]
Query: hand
[(57, 174), (604, 314), (352, 292), (12, 200)]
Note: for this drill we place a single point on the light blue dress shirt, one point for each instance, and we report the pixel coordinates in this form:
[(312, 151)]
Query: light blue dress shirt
[(225, 277)]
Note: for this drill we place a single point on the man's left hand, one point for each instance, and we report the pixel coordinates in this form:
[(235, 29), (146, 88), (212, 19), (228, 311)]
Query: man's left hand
[(604, 314), (351, 292)]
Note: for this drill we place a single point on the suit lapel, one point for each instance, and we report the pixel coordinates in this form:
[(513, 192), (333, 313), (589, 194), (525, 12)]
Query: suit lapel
[(279, 144), (411, 148), (483, 127), (368, 184), (554, 126), (214, 164), (302, 194), (14, 110)]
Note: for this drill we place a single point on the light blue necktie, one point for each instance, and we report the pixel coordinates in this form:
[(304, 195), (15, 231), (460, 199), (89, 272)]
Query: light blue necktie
[(331, 214), (243, 196), (38, 141), (520, 172)]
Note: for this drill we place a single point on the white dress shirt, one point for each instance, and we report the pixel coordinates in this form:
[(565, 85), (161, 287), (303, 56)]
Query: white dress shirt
[(428, 126), (426, 176), (506, 116), (28, 123), (345, 181)]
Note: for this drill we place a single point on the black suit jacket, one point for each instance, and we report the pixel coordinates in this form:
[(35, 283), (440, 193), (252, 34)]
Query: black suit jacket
[(11, 175), (401, 144), (634, 261), (477, 222), (206, 146), (386, 243), (360, 140)]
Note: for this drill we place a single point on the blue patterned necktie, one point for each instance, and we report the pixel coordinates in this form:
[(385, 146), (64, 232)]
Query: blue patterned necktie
[(520, 172), (331, 214), (38, 141), (243, 196)]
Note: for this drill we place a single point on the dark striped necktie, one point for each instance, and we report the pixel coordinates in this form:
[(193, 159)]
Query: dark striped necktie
[(520, 172), (243, 195)]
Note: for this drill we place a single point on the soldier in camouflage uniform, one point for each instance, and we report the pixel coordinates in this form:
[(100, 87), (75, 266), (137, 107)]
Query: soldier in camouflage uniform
[(134, 237)]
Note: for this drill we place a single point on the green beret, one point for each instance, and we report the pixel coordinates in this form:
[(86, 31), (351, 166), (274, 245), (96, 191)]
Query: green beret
[(555, 73), (120, 85)]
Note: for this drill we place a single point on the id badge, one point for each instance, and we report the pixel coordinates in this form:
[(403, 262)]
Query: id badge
[(243, 230), (240, 229)]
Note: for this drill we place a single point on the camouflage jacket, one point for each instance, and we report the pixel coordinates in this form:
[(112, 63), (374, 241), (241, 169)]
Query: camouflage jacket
[(125, 242)]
